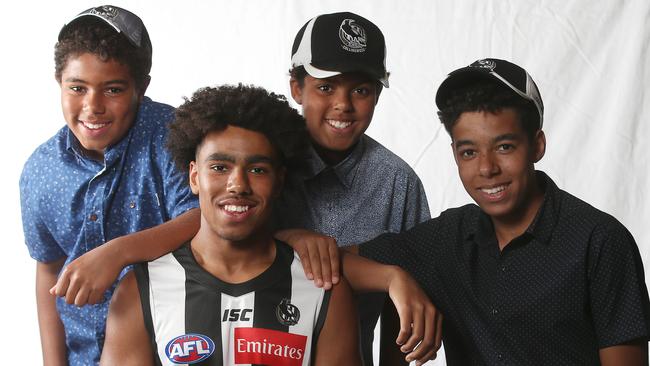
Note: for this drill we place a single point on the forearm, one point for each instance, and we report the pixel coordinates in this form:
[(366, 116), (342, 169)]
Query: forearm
[(149, 244), (365, 275), (629, 354), (50, 326)]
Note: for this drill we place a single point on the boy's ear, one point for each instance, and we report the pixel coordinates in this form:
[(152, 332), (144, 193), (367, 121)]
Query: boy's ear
[(194, 178), (296, 90), (539, 146), (144, 86)]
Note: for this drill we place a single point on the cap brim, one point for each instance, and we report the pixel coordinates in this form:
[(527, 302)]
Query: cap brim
[(322, 74)]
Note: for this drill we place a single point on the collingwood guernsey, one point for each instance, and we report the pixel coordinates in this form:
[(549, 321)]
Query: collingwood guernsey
[(193, 318)]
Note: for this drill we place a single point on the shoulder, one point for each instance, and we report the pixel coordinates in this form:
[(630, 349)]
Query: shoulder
[(46, 156), (578, 215), (376, 154), (153, 119)]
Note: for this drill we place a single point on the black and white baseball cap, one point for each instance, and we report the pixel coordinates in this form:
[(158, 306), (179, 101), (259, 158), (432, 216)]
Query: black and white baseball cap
[(331, 44), (512, 76), (122, 20)]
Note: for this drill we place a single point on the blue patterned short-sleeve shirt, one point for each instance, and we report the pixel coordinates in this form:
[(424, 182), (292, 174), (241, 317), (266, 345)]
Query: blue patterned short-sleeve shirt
[(72, 204)]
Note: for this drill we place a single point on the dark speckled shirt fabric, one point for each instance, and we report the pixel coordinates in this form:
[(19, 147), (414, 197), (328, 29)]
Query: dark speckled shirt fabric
[(369, 193), (571, 284)]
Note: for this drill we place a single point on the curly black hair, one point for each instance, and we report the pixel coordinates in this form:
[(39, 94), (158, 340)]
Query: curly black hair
[(98, 38), (488, 96), (246, 106)]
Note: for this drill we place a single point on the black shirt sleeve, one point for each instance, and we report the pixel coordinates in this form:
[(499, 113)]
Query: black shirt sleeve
[(412, 250), (618, 293)]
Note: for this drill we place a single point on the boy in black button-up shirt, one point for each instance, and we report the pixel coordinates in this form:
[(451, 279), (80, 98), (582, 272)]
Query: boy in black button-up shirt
[(532, 275)]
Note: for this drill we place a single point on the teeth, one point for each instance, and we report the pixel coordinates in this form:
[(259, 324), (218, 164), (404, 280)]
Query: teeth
[(94, 126), (493, 190), (233, 208), (338, 124)]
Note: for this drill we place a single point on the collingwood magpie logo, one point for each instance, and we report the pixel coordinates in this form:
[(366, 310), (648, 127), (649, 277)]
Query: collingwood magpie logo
[(105, 11), (287, 313), (485, 64), (352, 36)]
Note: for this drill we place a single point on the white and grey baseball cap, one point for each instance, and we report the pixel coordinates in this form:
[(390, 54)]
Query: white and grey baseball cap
[(504, 72), (122, 20)]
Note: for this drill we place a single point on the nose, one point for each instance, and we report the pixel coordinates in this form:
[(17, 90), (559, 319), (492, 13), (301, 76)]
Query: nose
[(343, 101), (94, 102), (238, 182), (488, 165)]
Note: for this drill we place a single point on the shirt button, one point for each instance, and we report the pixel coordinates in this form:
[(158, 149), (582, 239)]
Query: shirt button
[(500, 357), (132, 205), (92, 217), (495, 311), (503, 269)]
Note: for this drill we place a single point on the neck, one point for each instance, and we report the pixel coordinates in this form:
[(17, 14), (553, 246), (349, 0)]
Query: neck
[(332, 157), (234, 261), (513, 225)]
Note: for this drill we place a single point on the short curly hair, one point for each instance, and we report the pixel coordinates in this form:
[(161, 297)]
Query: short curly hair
[(488, 96), (98, 38), (246, 106)]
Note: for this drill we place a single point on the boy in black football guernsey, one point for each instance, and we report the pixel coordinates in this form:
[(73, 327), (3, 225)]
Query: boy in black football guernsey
[(233, 294)]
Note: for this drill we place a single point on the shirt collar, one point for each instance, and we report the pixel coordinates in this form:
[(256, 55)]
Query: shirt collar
[(112, 153), (482, 230), (345, 171)]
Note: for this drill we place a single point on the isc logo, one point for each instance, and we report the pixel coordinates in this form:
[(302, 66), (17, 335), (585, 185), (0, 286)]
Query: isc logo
[(235, 315), (189, 348)]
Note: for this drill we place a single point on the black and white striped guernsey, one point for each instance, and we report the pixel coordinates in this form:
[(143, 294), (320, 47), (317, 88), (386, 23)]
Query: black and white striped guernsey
[(193, 318)]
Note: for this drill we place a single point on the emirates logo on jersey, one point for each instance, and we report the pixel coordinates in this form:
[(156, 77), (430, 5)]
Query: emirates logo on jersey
[(287, 313), (269, 347)]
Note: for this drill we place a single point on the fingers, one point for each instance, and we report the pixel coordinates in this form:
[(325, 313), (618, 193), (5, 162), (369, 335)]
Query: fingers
[(426, 349), (62, 283), (81, 298), (306, 263), (417, 332), (71, 294), (335, 261), (326, 267), (405, 319), (438, 336), (314, 259)]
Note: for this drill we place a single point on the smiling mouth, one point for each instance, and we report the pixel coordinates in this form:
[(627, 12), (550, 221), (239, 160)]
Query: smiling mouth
[(94, 126), (235, 208), (339, 125), (494, 190)]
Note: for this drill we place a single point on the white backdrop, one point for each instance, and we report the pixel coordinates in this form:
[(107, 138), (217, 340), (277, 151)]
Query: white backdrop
[(589, 58)]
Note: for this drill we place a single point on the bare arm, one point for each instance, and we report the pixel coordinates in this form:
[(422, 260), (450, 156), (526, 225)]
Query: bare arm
[(85, 279), (629, 354), (338, 343), (125, 328), (419, 319), (49, 323)]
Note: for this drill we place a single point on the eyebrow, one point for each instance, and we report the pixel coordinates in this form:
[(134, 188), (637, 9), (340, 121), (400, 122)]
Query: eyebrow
[(253, 159), (504, 137), (110, 82)]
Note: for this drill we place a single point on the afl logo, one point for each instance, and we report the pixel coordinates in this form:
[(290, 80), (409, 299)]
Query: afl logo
[(484, 64), (287, 313), (352, 36), (189, 349), (105, 11)]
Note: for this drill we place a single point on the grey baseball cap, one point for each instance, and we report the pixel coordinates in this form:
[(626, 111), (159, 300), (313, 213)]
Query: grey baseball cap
[(504, 72), (122, 20)]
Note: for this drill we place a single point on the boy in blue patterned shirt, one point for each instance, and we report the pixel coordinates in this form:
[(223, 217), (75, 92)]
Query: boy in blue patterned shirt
[(104, 181)]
